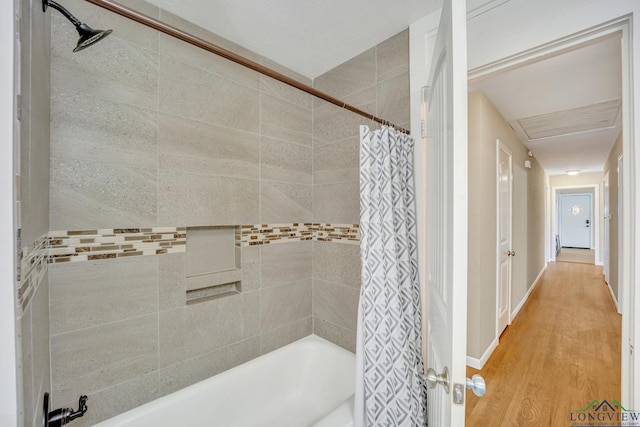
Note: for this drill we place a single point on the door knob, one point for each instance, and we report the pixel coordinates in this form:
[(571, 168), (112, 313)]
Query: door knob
[(513, 253), (433, 379), (477, 385)]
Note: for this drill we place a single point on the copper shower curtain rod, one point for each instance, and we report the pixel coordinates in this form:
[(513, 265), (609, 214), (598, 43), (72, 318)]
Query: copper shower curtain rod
[(210, 47)]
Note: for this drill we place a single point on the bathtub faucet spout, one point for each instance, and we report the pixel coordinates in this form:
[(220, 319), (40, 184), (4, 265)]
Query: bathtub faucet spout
[(62, 416)]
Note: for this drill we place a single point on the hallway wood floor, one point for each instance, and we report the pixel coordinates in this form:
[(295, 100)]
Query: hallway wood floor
[(560, 353)]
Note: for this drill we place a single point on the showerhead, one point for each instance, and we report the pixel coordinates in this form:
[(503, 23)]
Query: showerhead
[(88, 35)]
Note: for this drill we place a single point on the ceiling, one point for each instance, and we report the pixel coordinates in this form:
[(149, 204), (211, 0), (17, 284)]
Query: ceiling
[(307, 36), (566, 108)]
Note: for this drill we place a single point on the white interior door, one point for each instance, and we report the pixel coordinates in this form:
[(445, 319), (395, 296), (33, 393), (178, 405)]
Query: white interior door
[(504, 236), (575, 221), (607, 223), (446, 267)]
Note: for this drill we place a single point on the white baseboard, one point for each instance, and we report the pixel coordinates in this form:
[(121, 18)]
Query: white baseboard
[(515, 312), (479, 363), (600, 263), (613, 297)]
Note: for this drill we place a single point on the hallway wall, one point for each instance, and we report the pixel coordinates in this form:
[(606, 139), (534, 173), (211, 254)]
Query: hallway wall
[(485, 126), (611, 166)]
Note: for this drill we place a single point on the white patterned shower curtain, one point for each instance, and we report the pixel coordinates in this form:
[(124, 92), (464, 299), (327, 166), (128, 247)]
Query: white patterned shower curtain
[(390, 389)]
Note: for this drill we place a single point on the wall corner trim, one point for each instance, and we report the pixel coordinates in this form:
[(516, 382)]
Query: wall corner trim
[(479, 363), (526, 296)]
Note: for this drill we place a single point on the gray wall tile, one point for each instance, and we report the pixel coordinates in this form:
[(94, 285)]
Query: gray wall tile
[(337, 162), (40, 345), (285, 304), (87, 195), (332, 123), (199, 200), (336, 263), (35, 89), (337, 203), (172, 286), (199, 368), (282, 202), (251, 307), (199, 147), (286, 263), (286, 162), (196, 57), (279, 337), (33, 194), (40, 336), (393, 94), (336, 303), (285, 120), (88, 294), (93, 359), (383, 89), (283, 91), (207, 326), (392, 56), (96, 129), (286, 71), (250, 264), (29, 397), (187, 91), (338, 335), (350, 77), (117, 69)]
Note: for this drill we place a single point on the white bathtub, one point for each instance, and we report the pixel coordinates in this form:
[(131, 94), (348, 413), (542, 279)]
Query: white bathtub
[(307, 383)]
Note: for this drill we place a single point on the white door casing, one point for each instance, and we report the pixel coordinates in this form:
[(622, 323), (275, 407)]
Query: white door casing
[(575, 220), (621, 294), (504, 231), (607, 224), (446, 265)]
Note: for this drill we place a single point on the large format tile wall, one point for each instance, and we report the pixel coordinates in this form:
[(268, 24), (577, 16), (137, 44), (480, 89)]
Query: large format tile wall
[(149, 132), (32, 193), (377, 80)]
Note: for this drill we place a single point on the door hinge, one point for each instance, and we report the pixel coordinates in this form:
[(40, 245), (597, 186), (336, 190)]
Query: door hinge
[(423, 128), (630, 349)]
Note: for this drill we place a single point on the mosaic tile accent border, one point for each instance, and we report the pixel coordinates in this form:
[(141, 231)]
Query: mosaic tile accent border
[(58, 247), (264, 234), (89, 245), (32, 266)]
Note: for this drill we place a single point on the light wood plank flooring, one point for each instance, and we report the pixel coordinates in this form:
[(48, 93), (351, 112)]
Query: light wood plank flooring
[(561, 352), (586, 256)]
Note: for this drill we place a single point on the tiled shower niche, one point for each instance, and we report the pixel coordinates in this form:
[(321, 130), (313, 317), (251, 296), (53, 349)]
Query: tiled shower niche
[(212, 263)]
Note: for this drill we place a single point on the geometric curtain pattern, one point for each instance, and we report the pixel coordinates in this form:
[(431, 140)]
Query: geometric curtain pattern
[(390, 389)]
